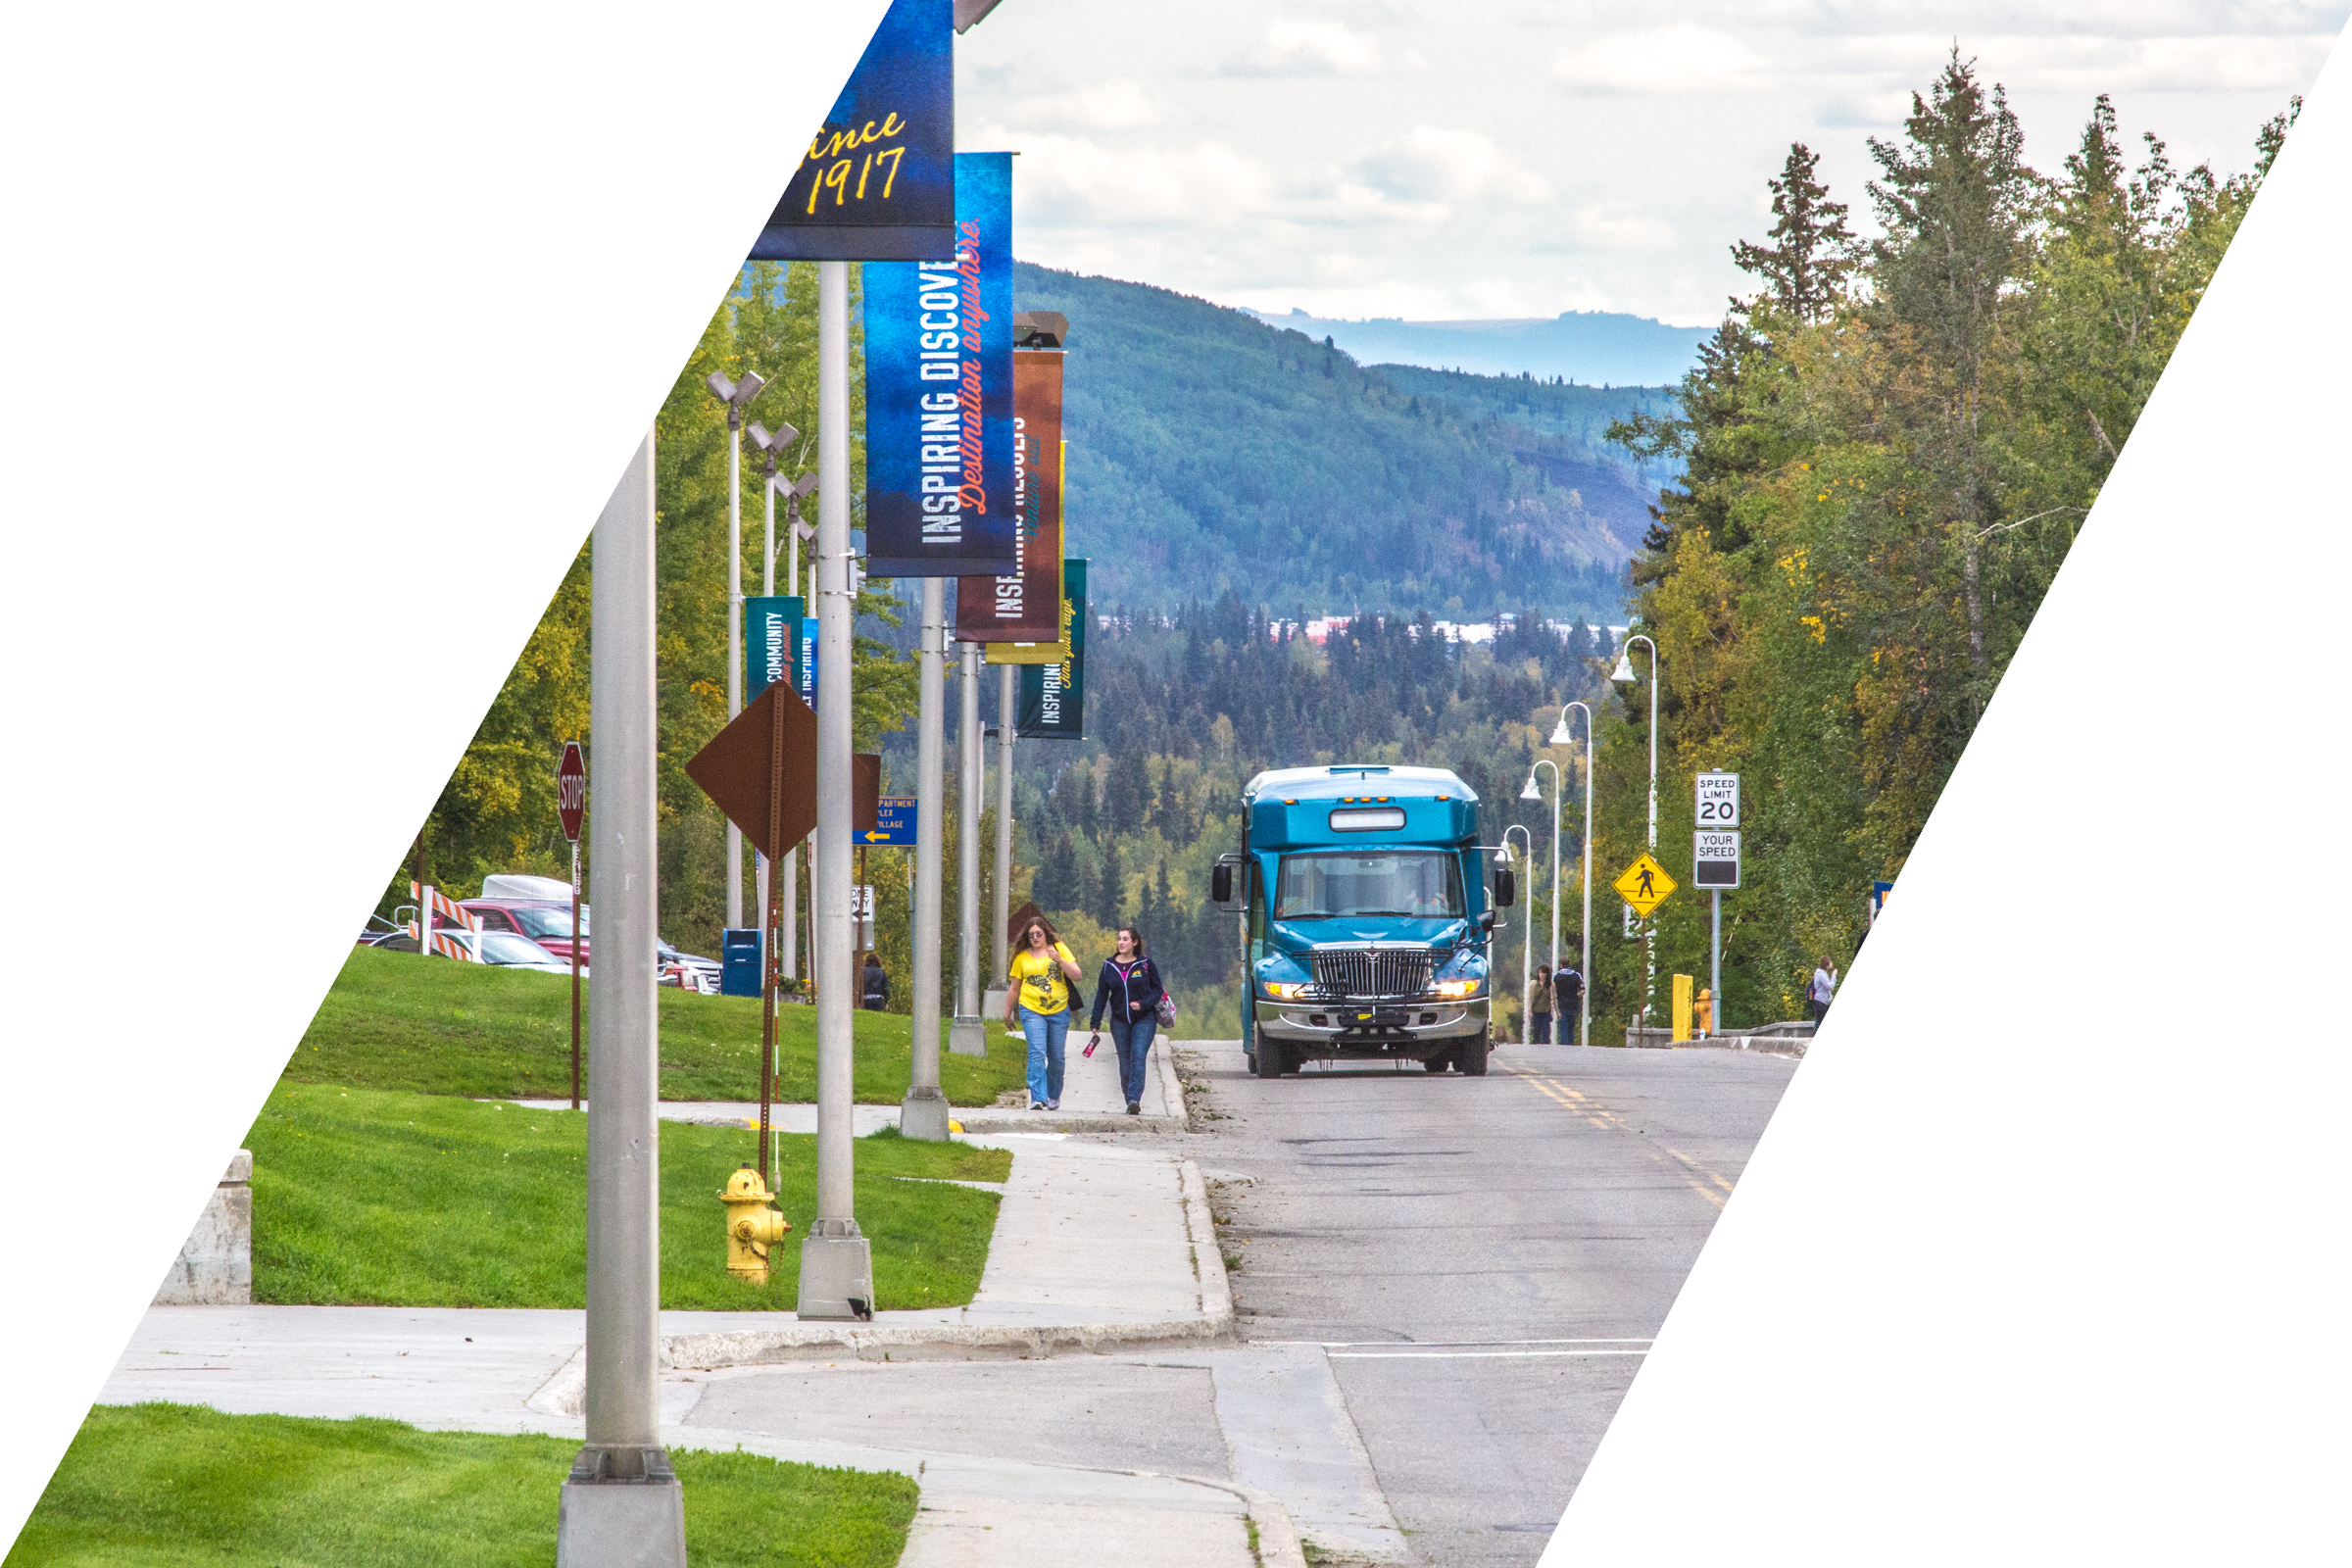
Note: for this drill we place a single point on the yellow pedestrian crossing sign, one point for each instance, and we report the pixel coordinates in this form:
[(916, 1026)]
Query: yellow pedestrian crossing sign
[(1934, 1218), (1644, 885)]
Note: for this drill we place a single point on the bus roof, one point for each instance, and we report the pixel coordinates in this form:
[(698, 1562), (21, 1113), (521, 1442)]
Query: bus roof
[(1348, 780)]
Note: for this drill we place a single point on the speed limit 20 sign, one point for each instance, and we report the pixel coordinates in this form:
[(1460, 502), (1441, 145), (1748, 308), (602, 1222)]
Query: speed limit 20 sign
[(1718, 799)]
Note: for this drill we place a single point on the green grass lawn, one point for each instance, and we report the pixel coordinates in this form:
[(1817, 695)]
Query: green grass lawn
[(2282, 1124), (175, 1486), (395, 1020), (380, 1198)]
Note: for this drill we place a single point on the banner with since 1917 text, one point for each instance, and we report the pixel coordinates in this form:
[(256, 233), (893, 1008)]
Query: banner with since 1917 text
[(878, 180)]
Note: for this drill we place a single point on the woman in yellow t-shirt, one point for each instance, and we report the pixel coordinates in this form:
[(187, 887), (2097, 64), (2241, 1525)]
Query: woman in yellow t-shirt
[(1042, 973)]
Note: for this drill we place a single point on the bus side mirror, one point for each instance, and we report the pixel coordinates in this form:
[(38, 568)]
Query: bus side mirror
[(1220, 885), (1506, 887)]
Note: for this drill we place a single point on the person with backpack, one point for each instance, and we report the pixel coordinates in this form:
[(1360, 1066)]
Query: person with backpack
[(1879, 957), (1130, 987), (1040, 998), (1568, 993)]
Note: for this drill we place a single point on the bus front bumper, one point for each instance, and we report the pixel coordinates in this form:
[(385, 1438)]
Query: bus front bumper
[(1370, 1030)]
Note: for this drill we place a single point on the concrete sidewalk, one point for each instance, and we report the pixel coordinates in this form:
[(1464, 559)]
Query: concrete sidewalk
[(1096, 1247), (1091, 1102)]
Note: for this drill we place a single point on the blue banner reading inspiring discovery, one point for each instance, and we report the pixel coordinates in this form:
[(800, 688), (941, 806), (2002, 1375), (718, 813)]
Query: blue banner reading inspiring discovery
[(939, 497), (1052, 703), (878, 181)]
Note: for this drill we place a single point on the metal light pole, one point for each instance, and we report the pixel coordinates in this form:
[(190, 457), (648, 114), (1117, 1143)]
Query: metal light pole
[(795, 531), (1532, 793), (621, 1503), (1624, 672), (969, 1033), (1527, 942), (924, 1112), (737, 396), (1560, 736), (770, 443), (837, 1270), (1006, 694)]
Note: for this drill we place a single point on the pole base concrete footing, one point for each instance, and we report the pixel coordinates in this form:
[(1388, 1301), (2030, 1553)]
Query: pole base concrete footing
[(968, 1037), (924, 1114), (837, 1274), (621, 1508)]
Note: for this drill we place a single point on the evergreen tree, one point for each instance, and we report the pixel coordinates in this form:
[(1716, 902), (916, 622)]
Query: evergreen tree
[(1110, 893), (1056, 886), (1805, 272)]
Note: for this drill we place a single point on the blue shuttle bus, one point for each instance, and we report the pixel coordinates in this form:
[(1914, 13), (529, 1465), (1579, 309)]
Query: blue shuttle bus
[(1367, 919)]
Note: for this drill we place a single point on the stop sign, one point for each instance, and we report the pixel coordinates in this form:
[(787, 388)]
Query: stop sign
[(571, 789)]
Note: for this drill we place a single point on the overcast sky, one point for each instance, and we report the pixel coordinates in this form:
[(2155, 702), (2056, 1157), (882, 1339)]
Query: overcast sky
[(1444, 160)]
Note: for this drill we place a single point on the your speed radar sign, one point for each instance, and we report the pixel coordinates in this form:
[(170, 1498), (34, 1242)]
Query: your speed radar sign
[(1719, 799)]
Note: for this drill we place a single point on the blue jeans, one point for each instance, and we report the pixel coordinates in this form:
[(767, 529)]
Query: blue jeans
[(1047, 1032), (1134, 1042), (1540, 1034)]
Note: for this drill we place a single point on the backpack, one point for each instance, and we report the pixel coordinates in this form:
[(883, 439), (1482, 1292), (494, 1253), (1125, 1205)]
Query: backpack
[(1166, 1013)]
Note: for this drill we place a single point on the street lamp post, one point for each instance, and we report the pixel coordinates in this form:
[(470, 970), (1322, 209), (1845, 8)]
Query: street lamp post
[(1532, 793), (1527, 942), (736, 396), (770, 444), (1562, 736), (1624, 672)]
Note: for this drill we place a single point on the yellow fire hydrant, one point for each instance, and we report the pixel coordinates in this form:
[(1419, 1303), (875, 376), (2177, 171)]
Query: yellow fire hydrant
[(752, 1226)]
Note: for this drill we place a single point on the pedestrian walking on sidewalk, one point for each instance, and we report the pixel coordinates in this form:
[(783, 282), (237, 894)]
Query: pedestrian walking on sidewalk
[(1879, 957), (1818, 994), (1129, 985), (1038, 1003), (1539, 1022), (1568, 994), (874, 984)]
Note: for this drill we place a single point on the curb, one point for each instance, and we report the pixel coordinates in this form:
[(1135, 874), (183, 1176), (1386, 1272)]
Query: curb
[(565, 1394)]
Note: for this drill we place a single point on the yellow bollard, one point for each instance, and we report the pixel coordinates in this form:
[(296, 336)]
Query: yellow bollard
[(1682, 1009), (752, 1226)]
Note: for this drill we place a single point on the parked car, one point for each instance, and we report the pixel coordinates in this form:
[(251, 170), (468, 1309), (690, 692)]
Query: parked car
[(542, 921), (495, 947)]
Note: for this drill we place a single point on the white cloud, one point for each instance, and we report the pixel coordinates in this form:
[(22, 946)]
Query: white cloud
[(1682, 58), (1310, 48), (1112, 106), (1433, 166)]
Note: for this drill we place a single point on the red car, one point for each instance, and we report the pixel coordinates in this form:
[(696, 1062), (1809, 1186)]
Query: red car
[(543, 921)]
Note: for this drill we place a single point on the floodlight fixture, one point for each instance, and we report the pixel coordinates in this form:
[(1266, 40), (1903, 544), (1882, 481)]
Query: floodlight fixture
[(803, 485), (784, 436)]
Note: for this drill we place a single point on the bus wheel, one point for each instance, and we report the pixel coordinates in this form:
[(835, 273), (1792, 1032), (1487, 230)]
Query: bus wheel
[(1470, 1057)]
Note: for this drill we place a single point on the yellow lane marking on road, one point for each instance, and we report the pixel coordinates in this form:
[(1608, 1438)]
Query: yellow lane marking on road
[(2020, 1400)]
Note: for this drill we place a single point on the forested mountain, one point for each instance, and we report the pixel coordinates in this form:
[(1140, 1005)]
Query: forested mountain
[(1210, 452), (1591, 347)]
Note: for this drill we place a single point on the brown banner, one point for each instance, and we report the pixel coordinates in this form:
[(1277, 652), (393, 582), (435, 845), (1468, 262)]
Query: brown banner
[(1026, 607)]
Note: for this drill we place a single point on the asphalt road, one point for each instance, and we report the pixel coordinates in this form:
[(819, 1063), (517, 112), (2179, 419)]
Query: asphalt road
[(1644, 1308)]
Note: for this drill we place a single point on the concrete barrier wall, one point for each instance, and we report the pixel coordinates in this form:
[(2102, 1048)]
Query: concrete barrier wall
[(142, 1228)]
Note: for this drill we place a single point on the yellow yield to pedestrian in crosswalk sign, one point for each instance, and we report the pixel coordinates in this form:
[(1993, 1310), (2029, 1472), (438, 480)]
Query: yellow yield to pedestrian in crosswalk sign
[(1934, 1214), (1644, 885)]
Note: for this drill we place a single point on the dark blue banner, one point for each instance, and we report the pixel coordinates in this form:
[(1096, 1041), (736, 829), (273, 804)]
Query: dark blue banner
[(1052, 704), (770, 628), (939, 499), (878, 181)]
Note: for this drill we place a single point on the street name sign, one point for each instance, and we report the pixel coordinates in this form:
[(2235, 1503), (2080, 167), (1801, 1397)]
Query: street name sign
[(1718, 801), (1645, 884), (1934, 1218), (571, 789), (1714, 859)]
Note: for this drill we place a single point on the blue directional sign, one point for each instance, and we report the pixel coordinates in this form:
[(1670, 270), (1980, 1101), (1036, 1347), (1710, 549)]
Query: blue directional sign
[(893, 824)]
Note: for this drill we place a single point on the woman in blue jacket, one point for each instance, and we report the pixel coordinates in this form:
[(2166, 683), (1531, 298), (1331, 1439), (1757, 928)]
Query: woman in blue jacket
[(1130, 987)]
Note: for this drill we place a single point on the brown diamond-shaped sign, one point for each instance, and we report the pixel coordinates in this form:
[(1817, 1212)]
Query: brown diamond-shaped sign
[(736, 769)]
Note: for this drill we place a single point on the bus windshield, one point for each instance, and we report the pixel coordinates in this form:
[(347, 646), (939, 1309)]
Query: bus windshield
[(1337, 884)]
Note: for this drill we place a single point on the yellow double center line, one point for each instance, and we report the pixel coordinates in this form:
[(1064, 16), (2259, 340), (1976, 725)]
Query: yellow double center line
[(2012, 1392)]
